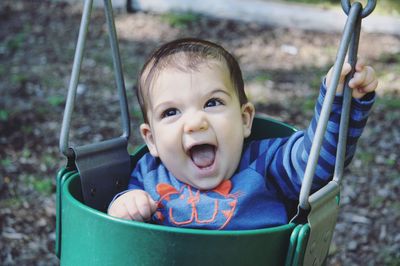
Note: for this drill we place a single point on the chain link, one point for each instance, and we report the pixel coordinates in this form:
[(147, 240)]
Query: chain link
[(365, 12)]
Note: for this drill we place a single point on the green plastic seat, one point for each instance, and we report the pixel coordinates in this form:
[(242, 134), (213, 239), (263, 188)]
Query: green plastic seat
[(86, 236)]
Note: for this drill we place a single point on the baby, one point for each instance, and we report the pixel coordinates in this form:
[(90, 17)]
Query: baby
[(199, 172)]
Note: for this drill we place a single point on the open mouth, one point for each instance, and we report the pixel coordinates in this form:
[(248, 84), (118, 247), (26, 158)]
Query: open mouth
[(203, 155)]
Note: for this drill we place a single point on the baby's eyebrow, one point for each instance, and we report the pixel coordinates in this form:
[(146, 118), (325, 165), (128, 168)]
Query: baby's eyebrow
[(163, 105), (218, 90)]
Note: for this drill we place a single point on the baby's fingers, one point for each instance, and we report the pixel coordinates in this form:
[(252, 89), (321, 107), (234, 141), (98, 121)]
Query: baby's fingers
[(119, 210), (145, 206), (133, 205), (360, 92), (132, 211), (360, 65), (357, 80), (363, 78), (344, 71)]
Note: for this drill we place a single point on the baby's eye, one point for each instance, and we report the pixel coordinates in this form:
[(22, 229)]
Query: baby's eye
[(169, 112), (213, 102)]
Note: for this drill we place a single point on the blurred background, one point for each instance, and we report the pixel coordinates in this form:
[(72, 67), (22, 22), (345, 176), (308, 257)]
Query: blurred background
[(282, 65)]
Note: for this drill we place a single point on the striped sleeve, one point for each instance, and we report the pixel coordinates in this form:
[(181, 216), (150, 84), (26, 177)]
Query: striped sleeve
[(288, 164)]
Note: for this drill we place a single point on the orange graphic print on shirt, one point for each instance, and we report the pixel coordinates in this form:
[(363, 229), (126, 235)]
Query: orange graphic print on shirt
[(190, 207)]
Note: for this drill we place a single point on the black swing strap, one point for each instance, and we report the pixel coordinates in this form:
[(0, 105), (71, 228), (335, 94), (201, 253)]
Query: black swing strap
[(104, 167)]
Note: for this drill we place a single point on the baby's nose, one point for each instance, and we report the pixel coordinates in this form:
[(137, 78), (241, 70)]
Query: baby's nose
[(196, 122)]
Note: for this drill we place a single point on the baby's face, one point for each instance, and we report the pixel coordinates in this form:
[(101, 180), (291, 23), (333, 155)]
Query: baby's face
[(196, 124)]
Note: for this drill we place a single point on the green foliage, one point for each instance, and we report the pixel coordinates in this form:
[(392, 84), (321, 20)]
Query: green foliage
[(309, 104), (388, 7), (4, 115), (366, 157), (390, 58), (262, 78), (3, 68), (11, 202), (49, 160), (18, 79), (136, 114), (180, 20), (50, 81), (26, 153), (42, 110), (391, 162), (377, 201), (55, 100), (394, 175), (396, 207), (43, 186), (15, 42), (389, 102), (27, 129), (389, 258), (6, 162)]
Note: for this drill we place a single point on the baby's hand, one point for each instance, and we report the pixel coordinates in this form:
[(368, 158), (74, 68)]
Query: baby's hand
[(133, 205), (363, 81)]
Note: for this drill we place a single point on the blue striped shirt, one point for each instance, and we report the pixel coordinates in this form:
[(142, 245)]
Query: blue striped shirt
[(267, 180)]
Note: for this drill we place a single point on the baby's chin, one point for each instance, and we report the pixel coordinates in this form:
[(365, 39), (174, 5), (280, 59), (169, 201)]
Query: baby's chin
[(208, 185)]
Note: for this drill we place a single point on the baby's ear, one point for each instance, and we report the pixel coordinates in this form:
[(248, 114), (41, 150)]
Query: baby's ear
[(147, 135), (248, 112)]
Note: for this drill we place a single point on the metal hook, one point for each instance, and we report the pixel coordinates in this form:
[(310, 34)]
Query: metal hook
[(365, 11)]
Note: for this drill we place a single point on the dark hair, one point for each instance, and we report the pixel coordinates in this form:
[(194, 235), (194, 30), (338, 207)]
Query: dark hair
[(196, 51)]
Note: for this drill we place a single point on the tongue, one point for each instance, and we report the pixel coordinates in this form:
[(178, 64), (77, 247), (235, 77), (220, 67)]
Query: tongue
[(203, 155)]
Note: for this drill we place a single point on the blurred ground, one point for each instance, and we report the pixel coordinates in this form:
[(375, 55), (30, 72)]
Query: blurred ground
[(282, 68)]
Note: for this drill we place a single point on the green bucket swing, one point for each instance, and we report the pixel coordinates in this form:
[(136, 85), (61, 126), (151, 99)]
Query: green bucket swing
[(86, 235)]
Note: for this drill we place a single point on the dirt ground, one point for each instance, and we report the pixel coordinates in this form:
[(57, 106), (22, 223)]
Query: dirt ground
[(282, 70)]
